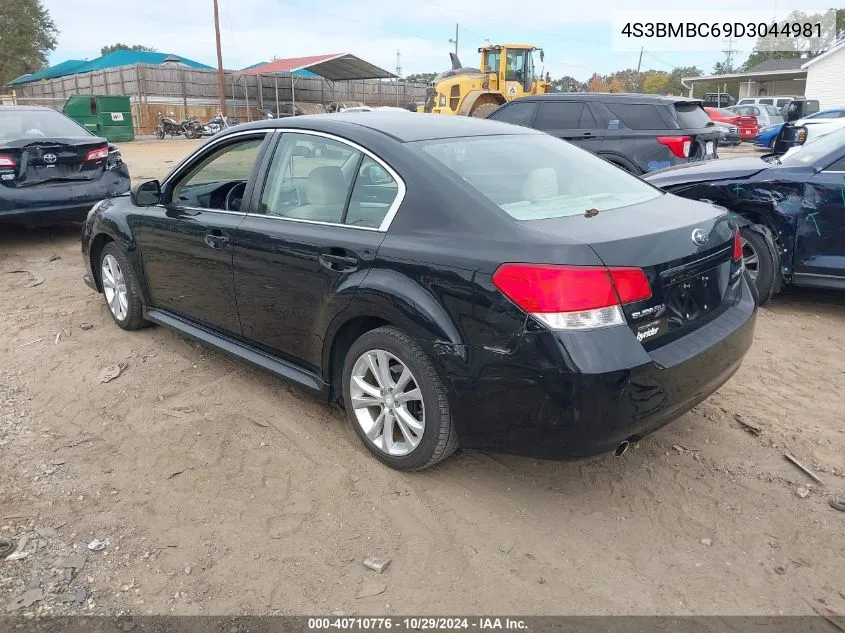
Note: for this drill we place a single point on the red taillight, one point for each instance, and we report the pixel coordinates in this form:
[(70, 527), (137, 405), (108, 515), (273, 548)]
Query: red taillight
[(572, 297), (679, 145), (737, 247), (7, 161), (631, 284), (97, 154)]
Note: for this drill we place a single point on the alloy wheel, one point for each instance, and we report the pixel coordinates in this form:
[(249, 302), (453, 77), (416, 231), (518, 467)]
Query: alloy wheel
[(114, 287), (387, 402), (751, 259)]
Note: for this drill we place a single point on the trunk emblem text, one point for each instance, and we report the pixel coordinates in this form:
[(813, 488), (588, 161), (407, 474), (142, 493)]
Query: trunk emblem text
[(700, 237), (644, 334)]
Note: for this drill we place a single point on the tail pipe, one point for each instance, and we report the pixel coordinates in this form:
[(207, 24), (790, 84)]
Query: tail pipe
[(622, 448)]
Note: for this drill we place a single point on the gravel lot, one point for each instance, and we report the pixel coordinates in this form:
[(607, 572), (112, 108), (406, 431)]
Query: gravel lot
[(220, 490)]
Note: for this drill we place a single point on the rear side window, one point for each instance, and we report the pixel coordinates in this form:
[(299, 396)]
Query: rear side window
[(564, 115), (771, 101), (516, 113), (636, 116), (780, 103), (744, 101), (690, 115)]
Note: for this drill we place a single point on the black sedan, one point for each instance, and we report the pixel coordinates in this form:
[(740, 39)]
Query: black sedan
[(791, 210), (52, 169), (448, 279)]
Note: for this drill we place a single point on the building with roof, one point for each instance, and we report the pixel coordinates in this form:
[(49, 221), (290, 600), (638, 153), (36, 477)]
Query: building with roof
[(826, 77), (167, 84), (822, 78), (115, 59)]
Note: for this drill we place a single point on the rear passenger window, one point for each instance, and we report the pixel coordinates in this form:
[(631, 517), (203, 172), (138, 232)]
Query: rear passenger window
[(638, 116), (373, 193), (770, 101), (564, 115), (516, 113)]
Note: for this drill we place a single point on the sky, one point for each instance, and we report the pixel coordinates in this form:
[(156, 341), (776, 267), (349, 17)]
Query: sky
[(576, 36)]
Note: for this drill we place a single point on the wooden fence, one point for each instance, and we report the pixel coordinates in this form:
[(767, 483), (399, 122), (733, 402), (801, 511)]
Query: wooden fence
[(192, 92)]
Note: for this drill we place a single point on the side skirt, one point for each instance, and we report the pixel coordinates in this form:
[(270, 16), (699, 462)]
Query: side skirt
[(272, 364), (818, 281)]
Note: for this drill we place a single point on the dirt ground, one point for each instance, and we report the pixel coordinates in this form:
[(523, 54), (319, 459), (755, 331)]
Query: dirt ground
[(221, 490)]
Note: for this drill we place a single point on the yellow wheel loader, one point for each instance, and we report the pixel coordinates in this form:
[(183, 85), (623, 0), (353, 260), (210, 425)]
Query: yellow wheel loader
[(507, 72)]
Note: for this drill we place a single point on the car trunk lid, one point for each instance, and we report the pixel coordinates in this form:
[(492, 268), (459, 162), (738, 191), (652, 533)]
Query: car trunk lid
[(28, 162), (694, 121), (684, 247)]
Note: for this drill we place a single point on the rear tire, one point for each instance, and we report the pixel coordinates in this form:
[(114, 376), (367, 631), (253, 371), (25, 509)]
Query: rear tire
[(760, 263), (483, 111), (375, 379)]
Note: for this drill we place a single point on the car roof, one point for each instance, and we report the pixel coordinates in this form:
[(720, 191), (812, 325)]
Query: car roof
[(612, 97), (398, 125)]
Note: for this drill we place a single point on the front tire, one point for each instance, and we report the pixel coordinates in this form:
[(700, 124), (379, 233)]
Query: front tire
[(159, 132), (396, 402), (121, 289), (760, 263)]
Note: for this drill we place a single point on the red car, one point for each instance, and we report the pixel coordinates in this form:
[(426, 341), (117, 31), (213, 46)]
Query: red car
[(747, 125)]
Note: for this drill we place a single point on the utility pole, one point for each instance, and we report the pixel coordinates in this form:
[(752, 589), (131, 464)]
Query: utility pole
[(455, 41), (639, 63), (221, 78), (398, 73), (729, 55)]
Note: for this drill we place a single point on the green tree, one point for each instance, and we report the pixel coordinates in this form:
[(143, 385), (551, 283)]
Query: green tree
[(125, 47), (674, 85), (421, 78), (27, 35), (568, 84), (628, 79), (655, 82)]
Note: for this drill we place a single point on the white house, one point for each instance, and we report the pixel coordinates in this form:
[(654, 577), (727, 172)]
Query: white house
[(826, 77)]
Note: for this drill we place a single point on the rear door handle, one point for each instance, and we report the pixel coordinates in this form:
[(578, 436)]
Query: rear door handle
[(216, 239), (337, 262)]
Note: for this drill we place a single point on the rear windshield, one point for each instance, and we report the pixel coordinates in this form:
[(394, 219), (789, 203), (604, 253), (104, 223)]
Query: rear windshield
[(536, 177), (35, 124), (770, 110), (691, 116)]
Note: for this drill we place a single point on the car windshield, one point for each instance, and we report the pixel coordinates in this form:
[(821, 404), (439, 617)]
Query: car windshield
[(34, 124), (816, 149), (535, 177)]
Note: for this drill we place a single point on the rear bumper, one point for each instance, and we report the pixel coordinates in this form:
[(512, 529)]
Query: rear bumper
[(60, 202), (573, 396)]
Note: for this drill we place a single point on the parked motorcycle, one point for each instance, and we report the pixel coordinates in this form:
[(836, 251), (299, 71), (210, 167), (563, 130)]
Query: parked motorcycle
[(193, 127), (167, 126), (215, 125)]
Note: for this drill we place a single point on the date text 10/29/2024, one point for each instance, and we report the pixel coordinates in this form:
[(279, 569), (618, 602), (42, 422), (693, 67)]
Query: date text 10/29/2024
[(416, 623)]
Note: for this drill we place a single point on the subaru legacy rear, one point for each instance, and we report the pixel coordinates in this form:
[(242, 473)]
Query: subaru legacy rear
[(633, 303)]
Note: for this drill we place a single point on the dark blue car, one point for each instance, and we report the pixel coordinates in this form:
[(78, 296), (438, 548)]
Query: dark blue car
[(791, 210)]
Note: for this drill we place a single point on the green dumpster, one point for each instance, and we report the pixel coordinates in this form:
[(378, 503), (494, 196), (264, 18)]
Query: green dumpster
[(103, 115)]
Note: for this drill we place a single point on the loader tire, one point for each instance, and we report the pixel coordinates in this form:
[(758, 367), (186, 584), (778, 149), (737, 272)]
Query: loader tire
[(483, 110)]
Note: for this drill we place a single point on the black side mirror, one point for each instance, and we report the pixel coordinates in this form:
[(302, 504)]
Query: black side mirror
[(146, 193)]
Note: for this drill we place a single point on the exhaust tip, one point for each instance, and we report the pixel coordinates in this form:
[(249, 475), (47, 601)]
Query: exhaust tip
[(622, 448)]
